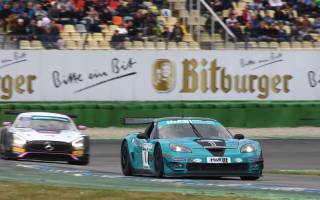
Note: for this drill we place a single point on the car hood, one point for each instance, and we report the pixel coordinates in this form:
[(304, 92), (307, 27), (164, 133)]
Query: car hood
[(33, 135), (196, 143)]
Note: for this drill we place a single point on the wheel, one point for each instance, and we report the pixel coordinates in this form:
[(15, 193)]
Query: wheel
[(125, 160), (249, 178), (158, 162)]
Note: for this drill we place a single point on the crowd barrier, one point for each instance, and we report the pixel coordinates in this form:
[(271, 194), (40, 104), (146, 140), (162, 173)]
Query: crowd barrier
[(231, 114)]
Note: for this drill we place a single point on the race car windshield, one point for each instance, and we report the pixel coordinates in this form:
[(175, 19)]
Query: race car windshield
[(190, 129), (45, 124)]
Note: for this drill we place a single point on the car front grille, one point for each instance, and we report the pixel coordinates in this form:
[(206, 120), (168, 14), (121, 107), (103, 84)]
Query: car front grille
[(204, 167), (41, 146)]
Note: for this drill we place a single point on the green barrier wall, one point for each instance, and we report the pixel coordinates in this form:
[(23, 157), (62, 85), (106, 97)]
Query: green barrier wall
[(231, 114)]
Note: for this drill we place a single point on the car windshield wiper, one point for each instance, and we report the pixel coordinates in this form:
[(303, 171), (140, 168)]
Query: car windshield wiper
[(195, 130)]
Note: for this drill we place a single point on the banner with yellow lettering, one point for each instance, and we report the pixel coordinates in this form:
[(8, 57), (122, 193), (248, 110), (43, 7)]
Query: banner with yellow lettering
[(159, 75)]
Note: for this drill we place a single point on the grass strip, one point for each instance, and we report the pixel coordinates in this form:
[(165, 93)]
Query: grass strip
[(296, 172), (15, 190)]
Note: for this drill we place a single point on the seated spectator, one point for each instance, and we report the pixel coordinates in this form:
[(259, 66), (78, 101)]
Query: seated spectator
[(39, 13), (275, 3), (246, 15), (19, 30), (4, 16), (268, 18), (256, 5), (232, 20), (122, 30), (133, 32), (92, 21), (117, 40), (50, 35), (177, 33), (279, 15), (283, 35), (236, 29), (166, 34), (250, 32), (317, 24), (263, 33), (17, 9)]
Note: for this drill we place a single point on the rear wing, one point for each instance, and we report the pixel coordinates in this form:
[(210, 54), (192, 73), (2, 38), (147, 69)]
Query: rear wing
[(137, 121), (17, 112)]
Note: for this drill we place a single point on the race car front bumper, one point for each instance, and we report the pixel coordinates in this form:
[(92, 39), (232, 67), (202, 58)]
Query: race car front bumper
[(49, 150)]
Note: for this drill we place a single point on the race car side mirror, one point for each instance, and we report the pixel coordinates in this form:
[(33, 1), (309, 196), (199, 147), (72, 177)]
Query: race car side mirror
[(141, 136), (238, 136), (82, 128), (6, 124)]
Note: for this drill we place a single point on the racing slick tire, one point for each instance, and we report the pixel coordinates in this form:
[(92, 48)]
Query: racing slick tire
[(158, 162), (125, 159), (5, 153)]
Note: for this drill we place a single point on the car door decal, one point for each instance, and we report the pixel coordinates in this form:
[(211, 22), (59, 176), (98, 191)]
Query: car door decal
[(145, 155)]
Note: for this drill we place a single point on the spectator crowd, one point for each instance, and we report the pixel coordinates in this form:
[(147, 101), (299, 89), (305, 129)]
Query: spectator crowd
[(270, 20), (260, 20), (44, 19)]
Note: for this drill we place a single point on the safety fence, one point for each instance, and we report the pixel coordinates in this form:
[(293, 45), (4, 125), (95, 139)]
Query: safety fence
[(248, 114)]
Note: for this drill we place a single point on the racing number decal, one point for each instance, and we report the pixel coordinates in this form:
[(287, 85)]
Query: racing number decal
[(145, 155)]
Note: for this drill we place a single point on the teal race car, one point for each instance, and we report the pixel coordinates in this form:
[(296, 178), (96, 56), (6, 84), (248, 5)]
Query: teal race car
[(189, 146)]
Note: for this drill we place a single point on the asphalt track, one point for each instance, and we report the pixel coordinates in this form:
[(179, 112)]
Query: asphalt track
[(279, 155)]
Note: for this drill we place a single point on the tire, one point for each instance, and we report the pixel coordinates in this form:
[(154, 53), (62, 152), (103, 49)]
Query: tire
[(158, 162), (249, 178), (125, 159)]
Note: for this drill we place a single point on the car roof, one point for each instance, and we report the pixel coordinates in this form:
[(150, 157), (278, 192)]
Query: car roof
[(42, 114), (183, 118)]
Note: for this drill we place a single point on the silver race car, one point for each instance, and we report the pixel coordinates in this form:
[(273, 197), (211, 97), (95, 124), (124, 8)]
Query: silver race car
[(44, 136)]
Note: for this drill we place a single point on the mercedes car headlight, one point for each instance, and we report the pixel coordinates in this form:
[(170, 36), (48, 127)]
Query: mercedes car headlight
[(18, 141), (248, 148), (179, 148), (78, 143)]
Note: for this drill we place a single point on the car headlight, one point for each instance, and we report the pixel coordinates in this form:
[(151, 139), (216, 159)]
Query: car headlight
[(78, 143), (179, 148), (248, 148), (18, 141)]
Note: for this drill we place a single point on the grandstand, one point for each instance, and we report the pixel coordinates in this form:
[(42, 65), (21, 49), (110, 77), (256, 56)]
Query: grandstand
[(156, 24)]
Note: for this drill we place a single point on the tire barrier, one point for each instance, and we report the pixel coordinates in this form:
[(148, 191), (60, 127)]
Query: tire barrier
[(248, 114)]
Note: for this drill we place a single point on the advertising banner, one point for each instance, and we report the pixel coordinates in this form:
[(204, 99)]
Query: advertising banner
[(159, 75)]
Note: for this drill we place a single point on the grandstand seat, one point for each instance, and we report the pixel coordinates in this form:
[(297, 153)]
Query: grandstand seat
[(80, 28), (104, 45), (219, 45), (65, 36), (274, 45), (183, 45), (24, 44), (172, 45), (307, 45), (76, 36), (263, 45), (97, 36), (128, 45), (36, 44), (138, 45), (296, 45), (161, 45), (71, 45), (93, 45), (149, 45), (252, 45), (285, 45), (188, 37), (194, 45), (69, 28)]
